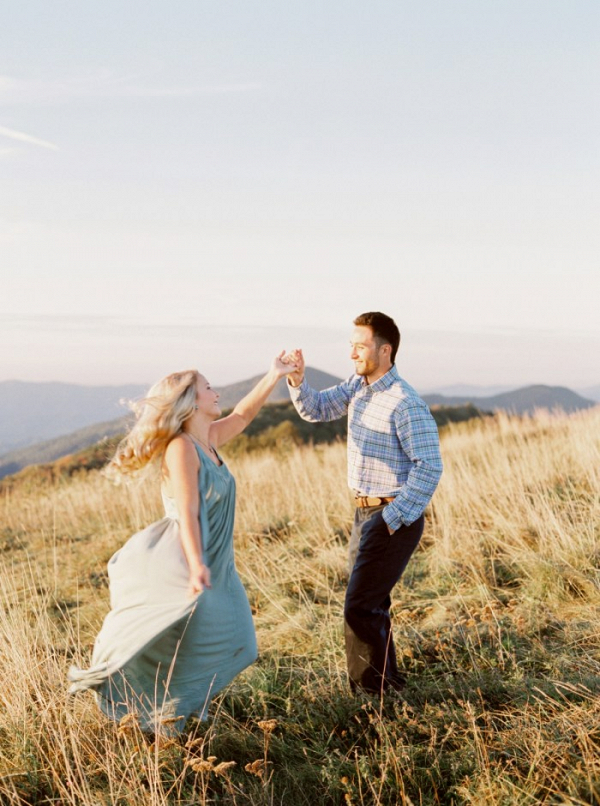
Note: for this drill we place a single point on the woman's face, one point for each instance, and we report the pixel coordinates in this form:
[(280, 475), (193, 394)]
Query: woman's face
[(207, 398)]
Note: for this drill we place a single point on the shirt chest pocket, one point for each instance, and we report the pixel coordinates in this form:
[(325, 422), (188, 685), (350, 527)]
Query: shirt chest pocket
[(368, 415)]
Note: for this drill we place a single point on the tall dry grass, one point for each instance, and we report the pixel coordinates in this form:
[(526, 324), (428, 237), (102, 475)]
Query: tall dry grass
[(496, 626)]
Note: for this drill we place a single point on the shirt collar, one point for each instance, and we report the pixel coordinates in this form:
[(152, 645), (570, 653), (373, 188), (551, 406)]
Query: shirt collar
[(390, 377)]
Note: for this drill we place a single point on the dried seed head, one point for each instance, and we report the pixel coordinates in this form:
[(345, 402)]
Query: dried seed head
[(201, 765), (162, 743), (267, 725), (222, 768), (192, 743), (256, 767), (128, 724), (129, 719), (171, 720)]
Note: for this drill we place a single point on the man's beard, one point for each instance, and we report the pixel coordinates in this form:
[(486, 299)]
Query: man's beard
[(367, 368)]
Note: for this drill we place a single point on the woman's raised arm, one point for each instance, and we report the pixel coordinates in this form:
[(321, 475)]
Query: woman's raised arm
[(221, 431)]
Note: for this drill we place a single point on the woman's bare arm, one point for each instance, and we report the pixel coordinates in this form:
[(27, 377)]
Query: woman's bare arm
[(221, 431), (181, 466)]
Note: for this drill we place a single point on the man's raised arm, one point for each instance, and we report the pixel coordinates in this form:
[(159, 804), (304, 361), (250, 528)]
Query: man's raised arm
[(313, 406)]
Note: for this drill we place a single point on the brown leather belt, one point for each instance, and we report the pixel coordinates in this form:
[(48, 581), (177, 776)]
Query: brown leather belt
[(371, 501)]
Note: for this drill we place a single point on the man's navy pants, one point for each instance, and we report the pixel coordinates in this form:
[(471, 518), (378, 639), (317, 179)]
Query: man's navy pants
[(376, 560)]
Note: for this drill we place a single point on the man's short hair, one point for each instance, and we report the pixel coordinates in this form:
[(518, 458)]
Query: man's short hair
[(385, 330)]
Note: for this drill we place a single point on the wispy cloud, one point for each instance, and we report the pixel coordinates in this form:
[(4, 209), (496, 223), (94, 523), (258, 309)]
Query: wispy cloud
[(26, 138), (106, 84)]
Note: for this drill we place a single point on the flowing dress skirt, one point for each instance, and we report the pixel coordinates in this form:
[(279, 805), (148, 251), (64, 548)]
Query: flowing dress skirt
[(160, 653)]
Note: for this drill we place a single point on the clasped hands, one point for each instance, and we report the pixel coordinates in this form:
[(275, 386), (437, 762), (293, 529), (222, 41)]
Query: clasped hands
[(290, 364)]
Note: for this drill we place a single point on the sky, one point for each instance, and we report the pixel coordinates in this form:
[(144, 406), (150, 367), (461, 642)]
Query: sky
[(203, 184)]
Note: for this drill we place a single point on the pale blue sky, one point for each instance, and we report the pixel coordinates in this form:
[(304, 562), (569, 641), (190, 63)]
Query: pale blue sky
[(203, 184)]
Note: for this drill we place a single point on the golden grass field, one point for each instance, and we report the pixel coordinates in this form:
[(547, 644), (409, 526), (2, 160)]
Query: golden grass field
[(496, 623)]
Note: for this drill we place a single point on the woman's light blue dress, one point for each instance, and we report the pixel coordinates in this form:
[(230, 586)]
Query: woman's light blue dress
[(161, 653)]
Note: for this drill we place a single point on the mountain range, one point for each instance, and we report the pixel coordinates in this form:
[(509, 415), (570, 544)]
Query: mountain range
[(41, 422), (465, 390), (519, 401)]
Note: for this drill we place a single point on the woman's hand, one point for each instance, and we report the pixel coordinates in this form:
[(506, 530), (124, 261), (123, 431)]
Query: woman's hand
[(283, 364), (199, 579), (296, 359)]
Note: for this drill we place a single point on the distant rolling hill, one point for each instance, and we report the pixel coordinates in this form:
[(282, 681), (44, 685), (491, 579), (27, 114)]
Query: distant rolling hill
[(33, 412), (52, 449), (467, 390), (591, 392), (232, 394), (519, 401), (67, 441)]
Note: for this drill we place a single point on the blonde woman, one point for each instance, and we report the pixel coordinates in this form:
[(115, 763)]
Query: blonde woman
[(180, 626)]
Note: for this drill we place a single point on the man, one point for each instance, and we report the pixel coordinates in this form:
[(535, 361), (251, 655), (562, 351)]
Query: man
[(394, 466)]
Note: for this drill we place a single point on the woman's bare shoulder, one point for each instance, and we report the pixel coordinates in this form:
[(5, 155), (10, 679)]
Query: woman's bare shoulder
[(181, 448)]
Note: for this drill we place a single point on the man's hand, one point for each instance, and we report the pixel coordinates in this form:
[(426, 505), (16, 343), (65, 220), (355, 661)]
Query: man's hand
[(296, 358)]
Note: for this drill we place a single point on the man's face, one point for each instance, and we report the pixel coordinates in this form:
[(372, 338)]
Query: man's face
[(365, 353)]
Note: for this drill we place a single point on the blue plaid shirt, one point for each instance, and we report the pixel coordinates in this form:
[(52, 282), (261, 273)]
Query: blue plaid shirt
[(393, 442)]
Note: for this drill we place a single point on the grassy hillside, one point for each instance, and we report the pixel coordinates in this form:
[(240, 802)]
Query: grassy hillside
[(496, 626)]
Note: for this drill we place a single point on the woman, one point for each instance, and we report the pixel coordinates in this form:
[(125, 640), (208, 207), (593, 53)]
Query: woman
[(180, 626)]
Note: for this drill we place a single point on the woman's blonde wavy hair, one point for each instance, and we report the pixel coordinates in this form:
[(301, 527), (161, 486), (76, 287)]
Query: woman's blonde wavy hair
[(160, 417)]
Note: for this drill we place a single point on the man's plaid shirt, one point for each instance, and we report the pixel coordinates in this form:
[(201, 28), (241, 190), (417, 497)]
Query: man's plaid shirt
[(393, 443)]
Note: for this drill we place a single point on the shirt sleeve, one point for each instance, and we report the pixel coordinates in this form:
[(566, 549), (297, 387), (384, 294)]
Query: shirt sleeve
[(418, 435), (319, 407)]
